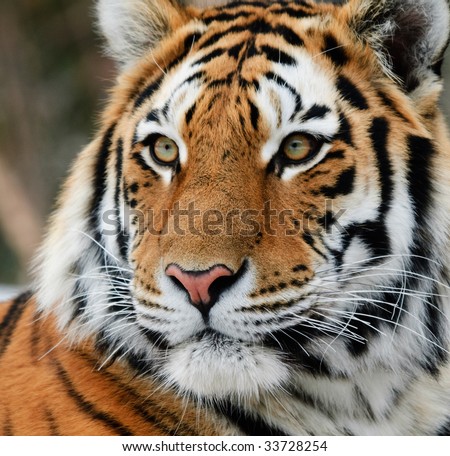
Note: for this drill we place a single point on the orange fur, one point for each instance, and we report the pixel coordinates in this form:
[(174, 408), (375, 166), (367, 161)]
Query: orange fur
[(51, 387)]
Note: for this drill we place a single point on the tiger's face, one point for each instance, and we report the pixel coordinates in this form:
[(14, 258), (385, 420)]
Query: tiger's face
[(268, 183)]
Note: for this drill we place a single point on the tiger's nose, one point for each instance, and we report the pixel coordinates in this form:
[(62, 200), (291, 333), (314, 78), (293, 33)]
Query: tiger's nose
[(203, 287)]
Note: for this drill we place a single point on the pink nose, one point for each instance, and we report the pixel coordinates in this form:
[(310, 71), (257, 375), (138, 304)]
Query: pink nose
[(198, 283)]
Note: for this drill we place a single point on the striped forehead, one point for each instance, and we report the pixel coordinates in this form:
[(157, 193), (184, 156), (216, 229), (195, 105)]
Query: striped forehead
[(176, 95), (288, 84)]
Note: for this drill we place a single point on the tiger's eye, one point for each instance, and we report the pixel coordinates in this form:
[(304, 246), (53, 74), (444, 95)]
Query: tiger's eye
[(297, 147), (165, 150)]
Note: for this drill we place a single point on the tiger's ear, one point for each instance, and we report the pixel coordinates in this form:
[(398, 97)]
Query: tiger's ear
[(408, 36), (133, 27)]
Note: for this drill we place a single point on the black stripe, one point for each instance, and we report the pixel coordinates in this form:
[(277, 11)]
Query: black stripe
[(154, 337), (100, 179), (293, 12), (186, 50), (246, 84), (288, 35), (225, 17), (102, 343), (137, 157), (374, 233), (385, 312), (314, 402), (213, 100), (147, 92), (35, 338), (333, 155), (190, 113), (299, 267), (444, 430), (249, 424), (213, 39), (191, 39), (8, 429), (153, 116), (238, 3), (365, 326), (217, 83), (165, 109), (80, 301), (343, 186), (437, 355), (292, 342), (390, 104), (120, 302), (374, 236), (351, 93), (316, 366), (315, 112), (379, 134), (193, 77), (309, 239), (258, 26), (142, 405), (419, 175), (87, 407), (11, 319), (334, 51), (235, 50), (277, 56), (420, 188), (345, 131), (210, 56), (284, 85), (254, 115), (52, 423), (122, 236), (364, 403)]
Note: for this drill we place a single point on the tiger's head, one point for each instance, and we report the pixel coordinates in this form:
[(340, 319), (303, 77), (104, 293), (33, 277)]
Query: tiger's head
[(265, 202)]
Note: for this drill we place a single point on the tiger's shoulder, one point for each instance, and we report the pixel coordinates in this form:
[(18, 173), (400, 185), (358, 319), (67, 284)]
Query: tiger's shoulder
[(56, 386)]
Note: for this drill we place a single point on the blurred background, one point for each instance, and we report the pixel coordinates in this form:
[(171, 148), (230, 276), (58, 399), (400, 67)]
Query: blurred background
[(53, 84)]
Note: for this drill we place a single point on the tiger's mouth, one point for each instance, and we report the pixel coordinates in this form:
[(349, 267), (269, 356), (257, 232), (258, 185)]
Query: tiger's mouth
[(216, 338)]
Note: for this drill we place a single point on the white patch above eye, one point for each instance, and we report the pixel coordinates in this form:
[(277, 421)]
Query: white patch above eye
[(175, 97), (285, 101), (284, 111)]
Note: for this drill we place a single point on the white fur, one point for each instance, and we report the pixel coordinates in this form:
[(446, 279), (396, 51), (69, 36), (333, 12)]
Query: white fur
[(228, 368), (131, 27)]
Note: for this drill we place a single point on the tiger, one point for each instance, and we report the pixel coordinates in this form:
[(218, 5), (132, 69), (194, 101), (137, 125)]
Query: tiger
[(256, 241)]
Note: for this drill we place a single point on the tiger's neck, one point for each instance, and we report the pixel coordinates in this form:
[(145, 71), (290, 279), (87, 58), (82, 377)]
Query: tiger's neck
[(391, 389)]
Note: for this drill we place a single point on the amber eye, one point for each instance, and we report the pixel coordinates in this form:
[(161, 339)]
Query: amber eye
[(299, 147), (164, 150)]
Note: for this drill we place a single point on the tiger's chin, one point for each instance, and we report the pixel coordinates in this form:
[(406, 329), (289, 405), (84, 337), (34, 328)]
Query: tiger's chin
[(218, 367)]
